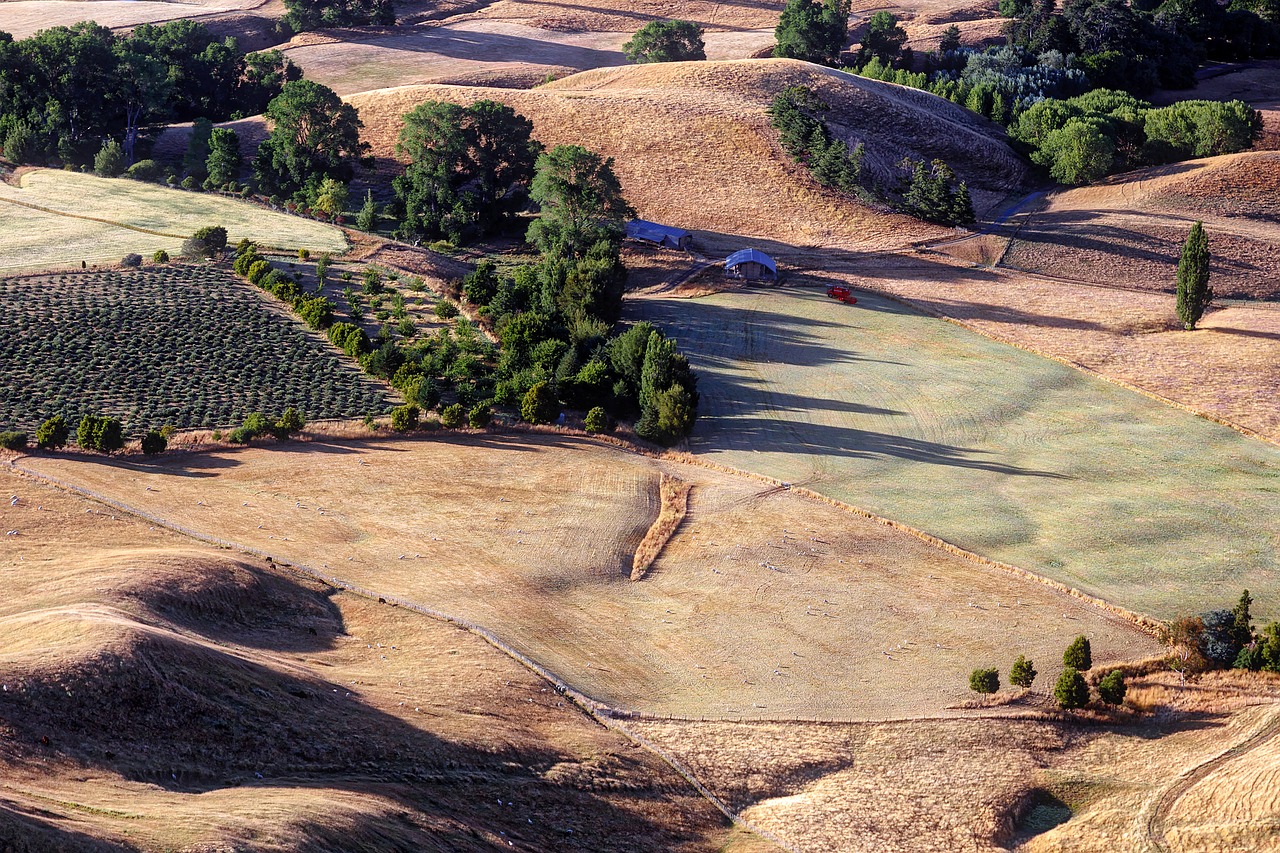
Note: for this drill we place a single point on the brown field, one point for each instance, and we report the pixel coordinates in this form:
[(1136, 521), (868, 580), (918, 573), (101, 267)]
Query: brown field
[(159, 694), (697, 151), (989, 784), (763, 604), (23, 18), (1129, 230)]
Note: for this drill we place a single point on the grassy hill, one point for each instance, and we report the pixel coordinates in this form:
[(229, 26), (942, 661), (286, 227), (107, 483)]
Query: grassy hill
[(697, 151)]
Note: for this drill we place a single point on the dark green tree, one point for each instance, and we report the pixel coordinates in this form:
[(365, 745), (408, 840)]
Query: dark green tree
[(813, 31), (224, 160), (1022, 673), (984, 681), (109, 161), (314, 135), (580, 199), (1194, 294), (1071, 691), (666, 41), (404, 418), (53, 433), (101, 433), (883, 39), (304, 15), (154, 443), (950, 39), (539, 405), (208, 242), (367, 218), (1078, 654), (597, 420), (1111, 688)]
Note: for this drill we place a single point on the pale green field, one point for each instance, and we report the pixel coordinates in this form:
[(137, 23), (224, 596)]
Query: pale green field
[(66, 233), (994, 449)]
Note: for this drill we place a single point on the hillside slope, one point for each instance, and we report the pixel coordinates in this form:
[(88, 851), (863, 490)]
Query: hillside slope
[(693, 146)]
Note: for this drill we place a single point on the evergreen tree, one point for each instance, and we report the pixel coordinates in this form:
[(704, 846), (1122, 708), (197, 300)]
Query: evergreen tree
[(224, 161), (984, 681), (1022, 673), (1071, 691), (53, 433), (1078, 655), (813, 31), (1194, 293), (109, 162), (367, 218), (195, 161), (1111, 688)]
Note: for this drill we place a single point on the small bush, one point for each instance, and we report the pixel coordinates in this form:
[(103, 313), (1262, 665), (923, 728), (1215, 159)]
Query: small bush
[(984, 681), (256, 423), (452, 417), (1022, 673), (53, 433), (216, 435), (1111, 688), (153, 443), (290, 423), (131, 260), (13, 440), (539, 405), (160, 257), (146, 170), (1071, 691), (239, 435), (598, 420), (190, 183), (479, 416), (446, 310), (208, 242), (1078, 655), (404, 418), (303, 254), (259, 270)]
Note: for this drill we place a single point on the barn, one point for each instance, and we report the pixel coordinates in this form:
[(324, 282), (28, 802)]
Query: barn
[(662, 235), (751, 264)]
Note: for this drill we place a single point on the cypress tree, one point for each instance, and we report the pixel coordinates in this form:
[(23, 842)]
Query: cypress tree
[(1193, 278)]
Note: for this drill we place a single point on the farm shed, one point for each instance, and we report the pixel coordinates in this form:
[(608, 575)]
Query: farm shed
[(663, 235), (751, 264)]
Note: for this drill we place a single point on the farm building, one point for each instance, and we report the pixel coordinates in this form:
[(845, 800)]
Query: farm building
[(751, 264), (663, 235)]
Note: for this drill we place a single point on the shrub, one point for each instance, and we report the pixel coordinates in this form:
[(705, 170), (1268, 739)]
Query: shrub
[(1022, 673), (404, 418), (350, 338), (53, 433), (239, 435), (984, 681), (446, 310), (316, 312), (303, 254), (13, 440), (109, 161), (101, 433), (452, 417), (1071, 691), (160, 257), (598, 420), (1078, 655), (146, 170), (1111, 688), (131, 260), (539, 405), (205, 243), (290, 423), (256, 423), (479, 416), (153, 442), (190, 183), (258, 270)]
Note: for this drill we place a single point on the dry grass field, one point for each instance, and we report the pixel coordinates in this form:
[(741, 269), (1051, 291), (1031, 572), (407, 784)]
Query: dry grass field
[(697, 151), (1000, 451), (763, 604), (1129, 230), (1004, 782), (23, 18), (161, 695), (99, 220)]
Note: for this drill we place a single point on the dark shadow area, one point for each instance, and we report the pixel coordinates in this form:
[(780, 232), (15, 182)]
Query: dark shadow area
[(1041, 812), (30, 829), (486, 46)]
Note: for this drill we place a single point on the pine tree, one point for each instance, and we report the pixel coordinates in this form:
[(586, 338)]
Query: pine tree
[(1022, 673), (1078, 655), (367, 218), (1193, 278), (1071, 691), (1111, 688)]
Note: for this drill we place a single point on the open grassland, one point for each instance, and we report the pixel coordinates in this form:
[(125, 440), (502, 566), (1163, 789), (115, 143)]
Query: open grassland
[(1129, 231), (161, 695), (1004, 782), (23, 18), (763, 604), (997, 450), (697, 151), (182, 345), (58, 219)]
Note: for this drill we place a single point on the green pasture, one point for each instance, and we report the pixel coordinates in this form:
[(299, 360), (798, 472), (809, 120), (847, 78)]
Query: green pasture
[(997, 450)]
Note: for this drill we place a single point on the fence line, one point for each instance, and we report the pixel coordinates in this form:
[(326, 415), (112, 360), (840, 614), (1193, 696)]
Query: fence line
[(600, 712)]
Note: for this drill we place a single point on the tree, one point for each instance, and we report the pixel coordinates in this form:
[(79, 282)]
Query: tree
[(1111, 688), (1242, 622), (883, 40), (303, 15), (950, 39), (101, 433), (330, 197), (1022, 673), (367, 218), (53, 433), (12, 440), (539, 405), (404, 418), (1071, 691), (208, 242), (154, 443), (984, 681), (109, 161), (1184, 637), (142, 92), (195, 161), (224, 160), (580, 199), (453, 416), (1194, 293), (479, 416), (666, 41), (813, 31), (314, 135), (289, 423), (1078, 655), (597, 420), (1078, 153)]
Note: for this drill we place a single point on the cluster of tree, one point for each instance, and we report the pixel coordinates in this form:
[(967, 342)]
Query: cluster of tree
[(666, 41), (1082, 139), (314, 310), (304, 15), (813, 30), (1071, 690), (1137, 46), (929, 191), (314, 137), (257, 424), (99, 432), (468, 169), (66, 89), (1222, 639)]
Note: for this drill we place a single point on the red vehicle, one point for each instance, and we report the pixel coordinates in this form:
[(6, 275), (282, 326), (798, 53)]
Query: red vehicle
[(842, 293)]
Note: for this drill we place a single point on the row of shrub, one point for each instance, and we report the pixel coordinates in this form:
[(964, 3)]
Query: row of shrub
[(1071, 689), (94, 432)]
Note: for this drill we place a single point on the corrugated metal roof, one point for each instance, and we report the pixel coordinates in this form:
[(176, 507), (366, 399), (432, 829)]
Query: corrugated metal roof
[(742, 256), (640, 229)]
